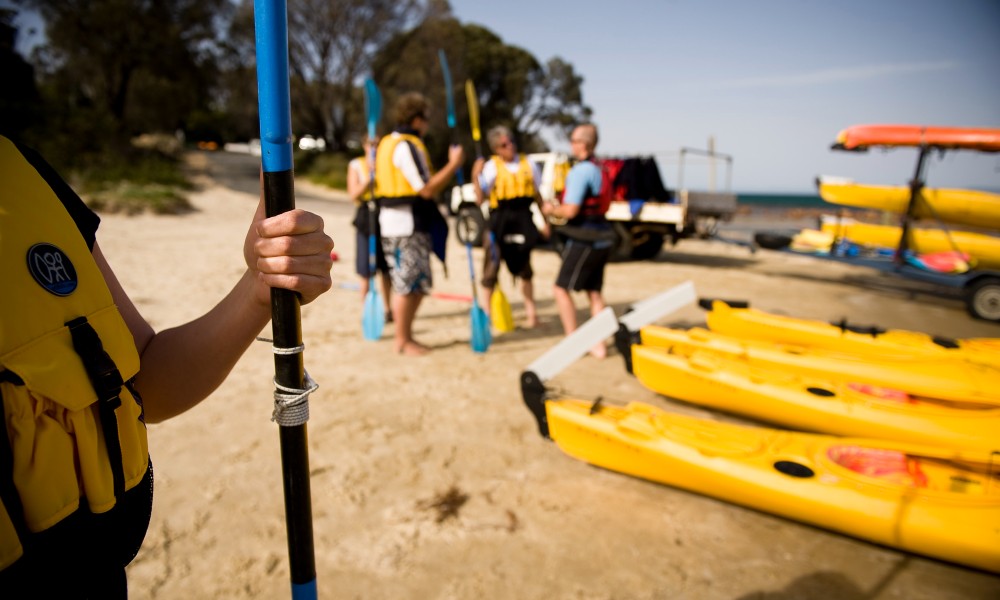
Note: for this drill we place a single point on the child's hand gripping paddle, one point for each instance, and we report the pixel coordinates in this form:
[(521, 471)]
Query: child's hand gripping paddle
[(373, 317), (503, 318), (481, 337), (291, 399)]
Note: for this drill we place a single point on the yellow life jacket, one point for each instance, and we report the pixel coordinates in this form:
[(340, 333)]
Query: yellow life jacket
[(510, 186), (391, 186), (362, 162), (72, 425)]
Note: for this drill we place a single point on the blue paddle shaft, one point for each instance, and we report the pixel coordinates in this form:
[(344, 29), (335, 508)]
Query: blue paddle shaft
[(450, 102), (271, 26)]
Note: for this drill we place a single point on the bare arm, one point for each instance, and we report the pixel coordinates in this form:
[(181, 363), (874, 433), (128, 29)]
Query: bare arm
[(182, 365), (561, 211), (477, 169), (440, 179), (357, 183)]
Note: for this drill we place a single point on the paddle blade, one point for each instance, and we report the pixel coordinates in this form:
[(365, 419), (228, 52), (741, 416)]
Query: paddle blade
[(373, 317), (373, 106), (503, 319), (481, 336), (473, 100), (447, 88)]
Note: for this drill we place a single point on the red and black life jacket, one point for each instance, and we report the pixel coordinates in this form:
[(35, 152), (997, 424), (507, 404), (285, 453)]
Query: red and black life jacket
[(597, 202)]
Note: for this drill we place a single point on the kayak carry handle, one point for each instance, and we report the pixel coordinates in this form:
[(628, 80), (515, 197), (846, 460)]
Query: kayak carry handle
[(706, 303), (533, 393)]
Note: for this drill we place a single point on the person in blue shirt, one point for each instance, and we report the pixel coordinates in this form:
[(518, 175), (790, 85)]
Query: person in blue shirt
[(590, 237)]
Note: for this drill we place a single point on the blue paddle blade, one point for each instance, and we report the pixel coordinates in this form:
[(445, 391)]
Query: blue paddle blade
[(481, 336), (447, 88), (373, 318), (373, 106)]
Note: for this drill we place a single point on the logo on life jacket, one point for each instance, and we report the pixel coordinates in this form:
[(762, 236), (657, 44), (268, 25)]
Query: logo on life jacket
[(52, 269)]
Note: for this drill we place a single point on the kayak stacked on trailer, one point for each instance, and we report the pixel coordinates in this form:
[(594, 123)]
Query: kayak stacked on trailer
[(927, 243), (899, 458)]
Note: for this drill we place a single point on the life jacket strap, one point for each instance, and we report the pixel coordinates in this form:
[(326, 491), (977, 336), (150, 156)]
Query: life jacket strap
[(107, 383)]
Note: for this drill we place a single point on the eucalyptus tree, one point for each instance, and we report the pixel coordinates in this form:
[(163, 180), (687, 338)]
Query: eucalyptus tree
[(129, 65), (331, 43), (513, 87)]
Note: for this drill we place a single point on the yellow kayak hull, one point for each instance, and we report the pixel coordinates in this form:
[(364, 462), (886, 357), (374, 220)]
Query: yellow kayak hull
[(984, 250), (943, 379), (759, 325), (962, 207), (815, 403), (934, 502)]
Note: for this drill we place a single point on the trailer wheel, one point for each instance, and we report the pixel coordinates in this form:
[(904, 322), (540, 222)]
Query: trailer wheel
[(983, 299), (470, 224), (772, 241), (646, 245)]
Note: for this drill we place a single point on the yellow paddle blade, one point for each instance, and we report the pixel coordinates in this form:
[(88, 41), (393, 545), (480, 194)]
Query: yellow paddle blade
[(473, 100), (500, 313)]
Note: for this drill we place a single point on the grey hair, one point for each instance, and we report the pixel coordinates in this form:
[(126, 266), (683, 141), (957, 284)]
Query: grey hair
[(496, 133)]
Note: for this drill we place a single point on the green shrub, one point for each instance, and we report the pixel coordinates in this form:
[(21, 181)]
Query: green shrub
[(323, 168), (135, 198), (133, 182)]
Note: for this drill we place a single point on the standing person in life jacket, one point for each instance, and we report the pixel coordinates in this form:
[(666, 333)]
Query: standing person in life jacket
[(411, 223), (511, 180), (82, 372), (590, 237), (358, 188)]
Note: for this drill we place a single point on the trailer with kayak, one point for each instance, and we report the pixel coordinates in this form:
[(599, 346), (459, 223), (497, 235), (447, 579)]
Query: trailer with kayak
[(925, 246)]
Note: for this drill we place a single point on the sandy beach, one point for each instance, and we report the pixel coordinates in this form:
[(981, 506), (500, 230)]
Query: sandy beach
[(429, 479)]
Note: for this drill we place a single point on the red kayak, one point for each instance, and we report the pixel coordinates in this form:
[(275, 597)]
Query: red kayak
[(860, 137)]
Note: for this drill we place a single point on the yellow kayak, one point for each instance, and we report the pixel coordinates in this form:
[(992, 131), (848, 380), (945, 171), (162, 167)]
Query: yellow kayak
[(940, 503), (945, 379), (759, 325), (983, 249), (962, 207), (815, 403)]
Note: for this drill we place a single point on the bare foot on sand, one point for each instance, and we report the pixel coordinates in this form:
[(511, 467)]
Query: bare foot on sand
[(412, 349), (599, 351)]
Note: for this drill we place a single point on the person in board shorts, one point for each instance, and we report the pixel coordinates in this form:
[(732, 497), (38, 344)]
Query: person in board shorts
[(82, 372), (411, 223), (590, 237), (511, 181), (365, 221)]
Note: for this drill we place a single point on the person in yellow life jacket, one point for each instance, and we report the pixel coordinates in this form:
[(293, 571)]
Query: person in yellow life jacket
[(511, 180), (411, 222), (82, 372), (365, 220), (590, 237)]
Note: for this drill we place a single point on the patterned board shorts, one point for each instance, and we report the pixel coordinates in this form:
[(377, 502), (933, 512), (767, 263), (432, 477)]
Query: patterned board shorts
[(409, 261)]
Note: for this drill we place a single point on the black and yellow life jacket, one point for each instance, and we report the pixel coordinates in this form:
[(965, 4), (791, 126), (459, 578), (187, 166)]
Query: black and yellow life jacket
[(516, 189), (72, 435), (391, 186)]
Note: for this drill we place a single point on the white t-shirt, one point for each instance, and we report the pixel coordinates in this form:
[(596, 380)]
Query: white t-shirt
[(397, 221)]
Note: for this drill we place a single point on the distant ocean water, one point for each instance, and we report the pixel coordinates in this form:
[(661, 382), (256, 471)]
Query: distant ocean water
[(781, 201)]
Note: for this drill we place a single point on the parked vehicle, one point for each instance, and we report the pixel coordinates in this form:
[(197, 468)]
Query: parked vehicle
[(642, 224)]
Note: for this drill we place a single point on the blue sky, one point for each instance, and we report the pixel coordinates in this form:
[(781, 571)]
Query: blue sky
[(772, 81)]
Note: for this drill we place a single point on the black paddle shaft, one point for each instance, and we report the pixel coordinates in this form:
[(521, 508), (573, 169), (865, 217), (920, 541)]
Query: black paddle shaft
[(286, 327)]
